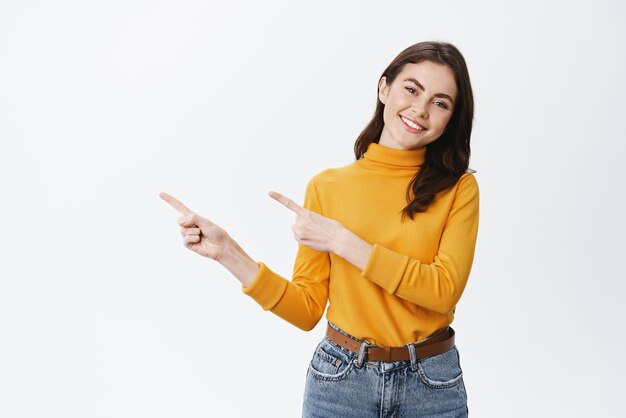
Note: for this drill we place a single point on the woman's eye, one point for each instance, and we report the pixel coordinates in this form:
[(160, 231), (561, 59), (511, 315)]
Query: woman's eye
[(440, 104)]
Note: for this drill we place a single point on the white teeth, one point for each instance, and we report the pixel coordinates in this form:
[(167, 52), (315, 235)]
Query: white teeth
[(412, 124)]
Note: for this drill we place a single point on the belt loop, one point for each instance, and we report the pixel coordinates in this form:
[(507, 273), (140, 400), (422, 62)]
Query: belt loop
[(359, 361), (411, 348)]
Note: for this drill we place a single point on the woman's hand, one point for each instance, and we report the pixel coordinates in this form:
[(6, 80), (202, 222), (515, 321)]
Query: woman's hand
[(312, 229), (199, 234)]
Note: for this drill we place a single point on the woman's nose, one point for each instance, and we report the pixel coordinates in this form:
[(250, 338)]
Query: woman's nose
[(419, 109)]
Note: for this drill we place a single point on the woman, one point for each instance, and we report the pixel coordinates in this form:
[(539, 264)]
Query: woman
[(389, 241)]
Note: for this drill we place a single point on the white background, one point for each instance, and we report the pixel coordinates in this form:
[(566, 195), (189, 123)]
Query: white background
[(103, 104)]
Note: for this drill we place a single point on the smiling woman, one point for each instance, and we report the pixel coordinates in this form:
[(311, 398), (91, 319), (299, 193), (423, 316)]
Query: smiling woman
[(411, 108), (391, 284)]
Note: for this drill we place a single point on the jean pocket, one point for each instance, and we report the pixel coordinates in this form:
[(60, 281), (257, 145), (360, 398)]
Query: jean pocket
[(329, 363), (442, 370)]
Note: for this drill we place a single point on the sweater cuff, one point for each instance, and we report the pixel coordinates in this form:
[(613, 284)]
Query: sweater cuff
[(267, 287), (385, 268)]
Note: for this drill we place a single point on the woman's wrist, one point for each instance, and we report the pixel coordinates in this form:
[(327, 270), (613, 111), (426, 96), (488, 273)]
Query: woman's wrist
[(352, 248), (240, 264)]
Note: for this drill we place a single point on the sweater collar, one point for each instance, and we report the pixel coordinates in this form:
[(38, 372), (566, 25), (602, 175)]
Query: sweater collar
[(394, 157)]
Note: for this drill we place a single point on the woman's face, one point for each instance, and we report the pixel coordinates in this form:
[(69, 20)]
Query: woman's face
[(422, 94)]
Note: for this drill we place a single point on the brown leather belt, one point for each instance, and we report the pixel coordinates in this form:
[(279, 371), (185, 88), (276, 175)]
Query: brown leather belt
[(437, 343)]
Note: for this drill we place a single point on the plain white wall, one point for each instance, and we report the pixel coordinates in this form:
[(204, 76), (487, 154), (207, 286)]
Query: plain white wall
[(103, 104)]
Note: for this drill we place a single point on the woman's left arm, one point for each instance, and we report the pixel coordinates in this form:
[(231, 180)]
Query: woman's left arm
[(436, 286)]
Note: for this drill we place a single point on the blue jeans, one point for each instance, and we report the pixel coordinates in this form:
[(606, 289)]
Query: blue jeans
[(340, 383)]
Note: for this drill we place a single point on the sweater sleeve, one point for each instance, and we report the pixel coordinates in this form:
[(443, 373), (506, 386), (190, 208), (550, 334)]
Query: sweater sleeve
[(301, 301), (436, 286)]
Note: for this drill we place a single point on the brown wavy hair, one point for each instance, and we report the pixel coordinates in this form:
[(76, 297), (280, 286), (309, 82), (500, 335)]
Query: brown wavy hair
[(447, 158)]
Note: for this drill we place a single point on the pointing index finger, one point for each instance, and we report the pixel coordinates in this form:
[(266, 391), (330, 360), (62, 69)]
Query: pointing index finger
[(177, 204), (290, 204)]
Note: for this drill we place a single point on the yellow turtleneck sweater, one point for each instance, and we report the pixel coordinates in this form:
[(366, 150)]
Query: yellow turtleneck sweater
[(416, 272)]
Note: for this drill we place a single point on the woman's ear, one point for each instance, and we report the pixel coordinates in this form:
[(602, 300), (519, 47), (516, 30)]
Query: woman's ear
[(383, 90)]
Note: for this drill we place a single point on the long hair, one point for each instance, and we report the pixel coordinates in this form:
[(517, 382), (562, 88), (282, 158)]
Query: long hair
[(447, 158)]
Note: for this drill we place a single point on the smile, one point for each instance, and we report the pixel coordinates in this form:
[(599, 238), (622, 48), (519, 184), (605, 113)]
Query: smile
[(411, 126)]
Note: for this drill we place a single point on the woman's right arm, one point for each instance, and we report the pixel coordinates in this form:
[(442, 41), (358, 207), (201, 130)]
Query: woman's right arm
[(301, 301)]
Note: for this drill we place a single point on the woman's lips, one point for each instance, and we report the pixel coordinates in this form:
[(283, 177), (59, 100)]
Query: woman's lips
[(410, 128)]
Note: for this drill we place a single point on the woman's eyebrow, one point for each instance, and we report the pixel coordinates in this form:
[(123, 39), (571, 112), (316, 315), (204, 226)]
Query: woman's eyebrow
[(418, 84)]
